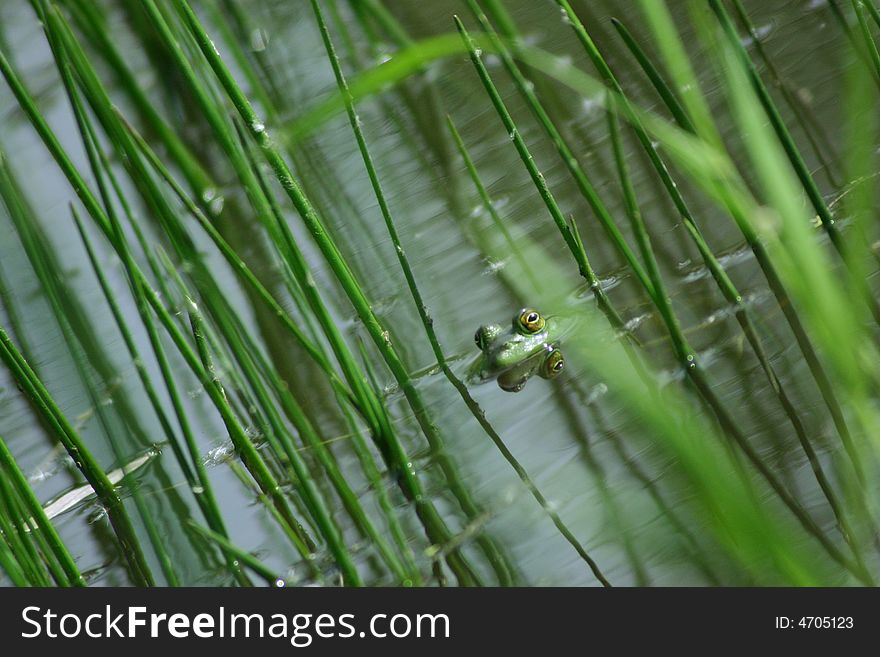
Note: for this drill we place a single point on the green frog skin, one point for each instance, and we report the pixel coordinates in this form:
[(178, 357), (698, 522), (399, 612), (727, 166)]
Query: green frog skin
[(515, 354), (547, 364)]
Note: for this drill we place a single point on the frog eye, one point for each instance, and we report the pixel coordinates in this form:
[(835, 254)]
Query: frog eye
[(485, 335), (554, 364), (531, 321)]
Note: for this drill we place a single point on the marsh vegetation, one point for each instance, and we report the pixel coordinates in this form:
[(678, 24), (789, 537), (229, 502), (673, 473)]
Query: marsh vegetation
[(244, 248)]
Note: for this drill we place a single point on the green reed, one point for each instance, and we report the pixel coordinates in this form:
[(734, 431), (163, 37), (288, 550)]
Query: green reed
[(214, 193)]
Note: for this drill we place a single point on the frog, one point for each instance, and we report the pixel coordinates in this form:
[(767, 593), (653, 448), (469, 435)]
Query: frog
[(513, 355)]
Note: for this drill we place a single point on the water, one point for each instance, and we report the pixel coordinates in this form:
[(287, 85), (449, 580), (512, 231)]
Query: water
[(580, 448)]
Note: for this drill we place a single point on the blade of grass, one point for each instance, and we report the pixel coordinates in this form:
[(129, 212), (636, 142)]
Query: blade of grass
[(14, 525), (345, 277), (641, 232), (858, 44), (303, 482), (77, 335), (586, 188), (742, 315), (9, 560), (40, 521), (576, 249), (701, 120), (237, 554), (82, 457), (247, 355), (422, 309), (198, 481), (92, 23), (786, 140), (515, 282), (809, 126)]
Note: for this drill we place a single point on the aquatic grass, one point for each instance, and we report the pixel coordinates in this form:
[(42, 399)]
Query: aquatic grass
[(861, 131), (802, 113), (111, 429), (140, 283), (737, 93), (57, 552), (198, 481), (27, 556), (728, 498), (47, 268), (741, 314), (686, 355), (553, 100), (565, 229), (358, 443), (246, 355), (14, 525), (861, 40), (352, 289), (340, 552), (45, 405), (194, 472), (386, 432), (78, 336), (238, 555), (277, 227), (643, 478), (784, 137), (248, 358), (813, 289), (767, 264), (788, 143), (15, 559), (798, 245), (210, 510), (91, 21), (241, 267), (48, 273), (181, 243), (730, 292), (586, 188), (662, 24), (11, 567), (805, 252), (426, 319), (640, 230)]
